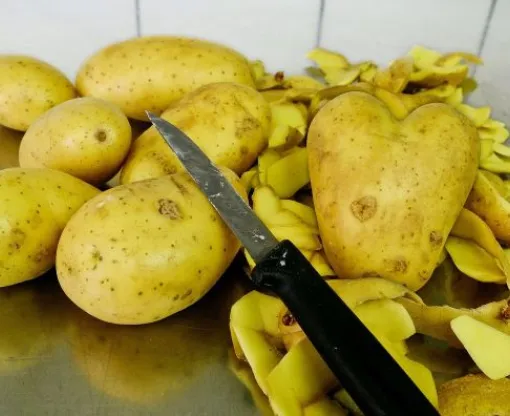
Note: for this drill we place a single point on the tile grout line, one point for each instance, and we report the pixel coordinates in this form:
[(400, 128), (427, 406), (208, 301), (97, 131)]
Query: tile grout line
[(319, 25), (137, 18), (485, 31)]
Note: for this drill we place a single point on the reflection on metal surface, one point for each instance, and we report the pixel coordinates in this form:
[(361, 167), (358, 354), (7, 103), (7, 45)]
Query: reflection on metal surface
[(9, 146), (245, 375), (32, 322), (57, 360)]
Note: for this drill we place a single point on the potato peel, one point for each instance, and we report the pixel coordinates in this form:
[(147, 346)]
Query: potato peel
[(434, 321)]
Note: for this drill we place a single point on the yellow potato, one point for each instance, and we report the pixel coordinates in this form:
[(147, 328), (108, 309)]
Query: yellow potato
[(383, 204), (86, 137), (474, 394), (229, 122), (9, 147), (138, 253), (28, 88), (35, 205), (153, 72)]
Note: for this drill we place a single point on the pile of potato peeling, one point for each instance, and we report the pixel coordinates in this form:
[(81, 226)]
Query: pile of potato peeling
[(385, 178)]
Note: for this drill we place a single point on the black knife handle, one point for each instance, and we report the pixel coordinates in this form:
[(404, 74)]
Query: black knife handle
[(362, 365)]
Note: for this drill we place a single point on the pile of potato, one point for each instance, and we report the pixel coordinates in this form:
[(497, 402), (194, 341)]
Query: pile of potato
[(385, 178)]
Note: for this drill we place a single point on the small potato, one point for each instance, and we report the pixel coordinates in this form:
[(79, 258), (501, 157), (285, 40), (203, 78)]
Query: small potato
[(141, 252), (28, 88), (9, 147), (152, 72), (35, 205), (228, 121), (86, 137)]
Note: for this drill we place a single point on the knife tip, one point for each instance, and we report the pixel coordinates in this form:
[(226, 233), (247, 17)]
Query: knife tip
[(152, 117)]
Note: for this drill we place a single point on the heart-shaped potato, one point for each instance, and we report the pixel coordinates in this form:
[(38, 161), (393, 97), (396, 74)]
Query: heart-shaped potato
[(387, 192)]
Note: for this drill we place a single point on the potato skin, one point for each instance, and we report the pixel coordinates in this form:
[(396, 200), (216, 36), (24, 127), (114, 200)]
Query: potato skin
[(86, 137), (28, 88), (387, 193), (35, 205), (138, 253), (152, 72), (228, 121)]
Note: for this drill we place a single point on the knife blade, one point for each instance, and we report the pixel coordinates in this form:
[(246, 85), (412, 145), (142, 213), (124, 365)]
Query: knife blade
[(375, 381)]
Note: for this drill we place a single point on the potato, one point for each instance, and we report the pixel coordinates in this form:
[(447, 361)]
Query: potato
[(383, 203), (35, 205), (152, 72), (86, 137), (229, 122), (28, 88), (474, 394), (9, 147), (138, 253)]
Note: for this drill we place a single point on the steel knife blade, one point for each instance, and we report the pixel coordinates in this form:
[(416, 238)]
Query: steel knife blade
[(248, 228)]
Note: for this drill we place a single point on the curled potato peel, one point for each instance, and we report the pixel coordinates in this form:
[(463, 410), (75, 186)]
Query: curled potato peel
[(475, 251), (434, 321)]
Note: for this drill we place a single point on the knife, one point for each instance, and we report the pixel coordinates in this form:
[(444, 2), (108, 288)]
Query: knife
[(371, 376)]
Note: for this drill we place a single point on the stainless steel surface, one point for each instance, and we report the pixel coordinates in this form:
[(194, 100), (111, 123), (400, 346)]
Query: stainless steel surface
[(251, 231), (57, 360)]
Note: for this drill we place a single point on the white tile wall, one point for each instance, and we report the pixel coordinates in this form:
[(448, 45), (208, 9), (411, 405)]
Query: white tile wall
[(494, 75), (383, 30), (64, 32), (280, 32)]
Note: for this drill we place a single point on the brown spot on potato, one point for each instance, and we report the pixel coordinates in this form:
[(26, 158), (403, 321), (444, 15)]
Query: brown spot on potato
[(100, 135), (435, 238), (169, 209), (364, 208), (397, 265), (245, 126), (43, 254), (96, 255), (186, 294), (18, 238)]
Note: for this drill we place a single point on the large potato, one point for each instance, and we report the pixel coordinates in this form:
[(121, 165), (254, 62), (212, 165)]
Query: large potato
[(152, 72), (86, 137), (140, 252), (228, 121), (9, 147), (28, 88), (35, 205), (388, 192)]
